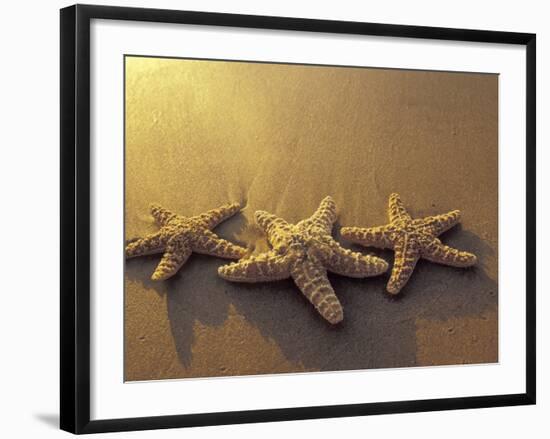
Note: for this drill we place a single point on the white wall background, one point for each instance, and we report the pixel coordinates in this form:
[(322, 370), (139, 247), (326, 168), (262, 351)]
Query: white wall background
[(29, 169)]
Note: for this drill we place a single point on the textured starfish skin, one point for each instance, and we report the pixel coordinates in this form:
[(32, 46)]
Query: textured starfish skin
[(304, 252), (411, 239), (179, 236)]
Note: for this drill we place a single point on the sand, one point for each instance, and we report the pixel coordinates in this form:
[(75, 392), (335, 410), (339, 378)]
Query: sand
[(280, 138)]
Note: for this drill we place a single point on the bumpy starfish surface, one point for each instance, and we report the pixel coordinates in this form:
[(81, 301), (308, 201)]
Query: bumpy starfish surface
[(304, 252), (179, 236), (411, 239)]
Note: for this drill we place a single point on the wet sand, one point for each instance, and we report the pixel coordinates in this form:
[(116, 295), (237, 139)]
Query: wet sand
[(280, 138)]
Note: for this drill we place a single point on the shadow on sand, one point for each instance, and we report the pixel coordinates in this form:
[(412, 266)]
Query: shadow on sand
[(378, 330)]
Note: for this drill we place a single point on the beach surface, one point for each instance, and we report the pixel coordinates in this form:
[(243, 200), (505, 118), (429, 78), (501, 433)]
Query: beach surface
[(280, 138)]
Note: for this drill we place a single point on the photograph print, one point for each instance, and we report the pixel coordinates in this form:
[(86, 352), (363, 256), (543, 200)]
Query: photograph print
[(292, 218)]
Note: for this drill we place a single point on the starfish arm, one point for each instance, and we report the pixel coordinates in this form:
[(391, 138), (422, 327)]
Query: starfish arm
[(177, 252), (259, 268), (442, 254), (162, 216), (406, 257), (215, 216), (208, 243), (324, 216), (150, 245), (313, 283), (441, 223), (370, 237), (274, 227), (268, 222), (396, 209), (354, 264)]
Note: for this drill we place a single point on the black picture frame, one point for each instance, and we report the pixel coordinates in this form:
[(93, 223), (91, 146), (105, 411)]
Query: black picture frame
[(75, 217)]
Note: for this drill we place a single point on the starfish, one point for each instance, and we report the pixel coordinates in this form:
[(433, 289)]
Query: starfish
[(179, 236), (411, 239), (304, 252)]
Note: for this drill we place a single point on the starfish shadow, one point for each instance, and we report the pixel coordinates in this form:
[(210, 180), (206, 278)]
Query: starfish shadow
[(232, 229), (378, 331), (194, 294)]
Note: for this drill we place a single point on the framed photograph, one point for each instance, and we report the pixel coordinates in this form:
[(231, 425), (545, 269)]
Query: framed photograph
[(268, 218)]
